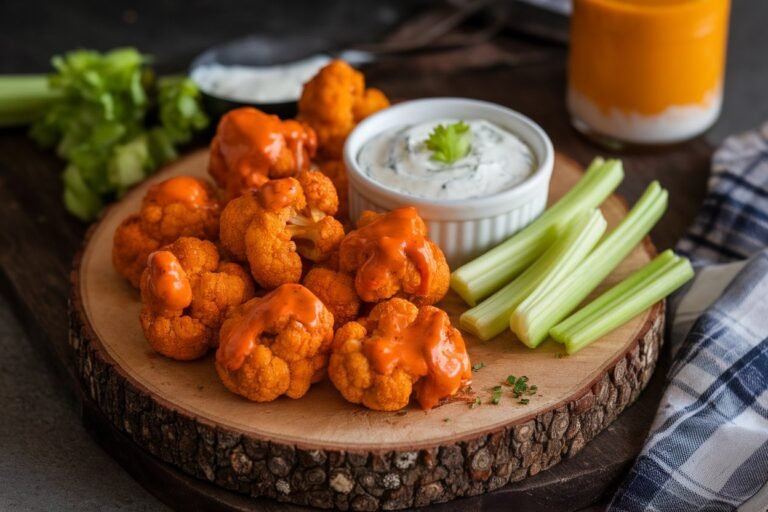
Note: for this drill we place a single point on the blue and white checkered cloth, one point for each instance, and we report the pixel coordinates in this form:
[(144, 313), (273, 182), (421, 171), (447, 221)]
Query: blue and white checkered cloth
[(708, 446)]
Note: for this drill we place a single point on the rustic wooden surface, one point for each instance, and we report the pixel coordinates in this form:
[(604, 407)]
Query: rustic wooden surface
[(38, 240), (323, 451)]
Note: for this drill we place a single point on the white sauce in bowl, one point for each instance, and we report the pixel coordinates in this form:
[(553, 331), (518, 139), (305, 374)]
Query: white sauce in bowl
[(251, 84), (399, 160)]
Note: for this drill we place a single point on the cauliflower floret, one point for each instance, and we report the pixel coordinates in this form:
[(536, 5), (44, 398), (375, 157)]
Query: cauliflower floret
[(333, 102), (274, 227), (180, 206), (398, 350), (390, 255), (275, 345), (251, 147), (336, 290), (337, 172), (186, 292)]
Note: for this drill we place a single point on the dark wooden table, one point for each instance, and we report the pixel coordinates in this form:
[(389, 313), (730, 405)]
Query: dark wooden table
[(38, 241)]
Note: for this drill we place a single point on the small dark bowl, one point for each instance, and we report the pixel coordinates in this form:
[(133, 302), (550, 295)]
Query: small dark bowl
[(257, 51)]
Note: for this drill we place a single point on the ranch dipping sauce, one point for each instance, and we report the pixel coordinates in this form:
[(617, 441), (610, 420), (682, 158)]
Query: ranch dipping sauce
[(400, 160)]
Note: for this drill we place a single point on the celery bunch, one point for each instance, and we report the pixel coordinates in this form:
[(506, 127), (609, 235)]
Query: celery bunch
[(486, 274), (665, 274), (491, 316), (553, 300), (107, 116)]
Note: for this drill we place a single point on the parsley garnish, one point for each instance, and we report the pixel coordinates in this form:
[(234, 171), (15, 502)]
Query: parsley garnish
[(520, 388), (449, 143), (476, 403), (478, 366)]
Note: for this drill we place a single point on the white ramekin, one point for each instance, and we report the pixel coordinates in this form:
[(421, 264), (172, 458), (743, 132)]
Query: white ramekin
[(463, 228)]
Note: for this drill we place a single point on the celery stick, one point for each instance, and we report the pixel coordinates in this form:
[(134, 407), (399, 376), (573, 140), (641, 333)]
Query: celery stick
[(577, 319), (549, 303), (484, 275), (491, 316), (23, 98), (626, 300)]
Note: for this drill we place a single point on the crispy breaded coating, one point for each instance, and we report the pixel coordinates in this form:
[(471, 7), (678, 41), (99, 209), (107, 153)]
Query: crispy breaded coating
[(251, 147), (390, 255), (337, 172), (333, 102), (278, 225), (336, 290), (180, 206), (397, 351), (275, 345), (186, 292)]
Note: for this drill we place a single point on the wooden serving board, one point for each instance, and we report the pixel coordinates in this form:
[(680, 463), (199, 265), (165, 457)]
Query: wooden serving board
[(325, 452)]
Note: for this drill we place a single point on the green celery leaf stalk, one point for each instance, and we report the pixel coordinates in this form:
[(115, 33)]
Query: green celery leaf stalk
[(491, 316), (129, 164), (24, 98), (107, 117), (79, 198), (484, 275), (665, 274), (551, 302)]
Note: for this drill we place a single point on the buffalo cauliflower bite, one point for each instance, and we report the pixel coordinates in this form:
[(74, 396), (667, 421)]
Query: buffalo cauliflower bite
[(337, 172), (336, 290), (180, 206), (275, 345), (399, 350), (186, 291), (333, 102), (251, 147), (390, 255), (285, 220)]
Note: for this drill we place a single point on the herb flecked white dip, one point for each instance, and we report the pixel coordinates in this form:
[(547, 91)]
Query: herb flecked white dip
[(400, 160)]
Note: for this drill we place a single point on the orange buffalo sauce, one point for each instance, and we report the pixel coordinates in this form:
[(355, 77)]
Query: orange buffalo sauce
[(264, 314), (251, 147), (168, 282), (392, 240), (429, 348), (182, 189), (277, 194), (636, 61)]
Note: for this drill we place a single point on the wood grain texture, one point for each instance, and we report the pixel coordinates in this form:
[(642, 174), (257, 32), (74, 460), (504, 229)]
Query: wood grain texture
[(322, 451)]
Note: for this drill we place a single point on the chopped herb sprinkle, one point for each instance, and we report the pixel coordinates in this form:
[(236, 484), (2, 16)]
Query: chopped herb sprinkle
[(478, 366), (496, 396)]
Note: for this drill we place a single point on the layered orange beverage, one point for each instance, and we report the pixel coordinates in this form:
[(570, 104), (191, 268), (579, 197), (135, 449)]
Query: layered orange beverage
[(647, 71)]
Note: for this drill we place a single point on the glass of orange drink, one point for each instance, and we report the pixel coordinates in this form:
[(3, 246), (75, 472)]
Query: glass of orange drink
[(646, 72)]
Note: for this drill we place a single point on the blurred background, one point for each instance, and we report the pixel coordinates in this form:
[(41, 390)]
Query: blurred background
[(175, 31)]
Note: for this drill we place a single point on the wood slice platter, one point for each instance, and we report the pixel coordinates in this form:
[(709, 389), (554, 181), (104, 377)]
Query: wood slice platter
[(324, 452)]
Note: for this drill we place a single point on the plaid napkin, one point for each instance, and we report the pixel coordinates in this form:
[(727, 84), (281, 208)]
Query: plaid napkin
[(708, 446)]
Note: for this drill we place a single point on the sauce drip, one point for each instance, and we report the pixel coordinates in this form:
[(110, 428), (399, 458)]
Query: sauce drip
[(300, 141), (392, 240), (429, 347), (168, 282), (182, 189), (277, 194), (255, 146), (263, 314)]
